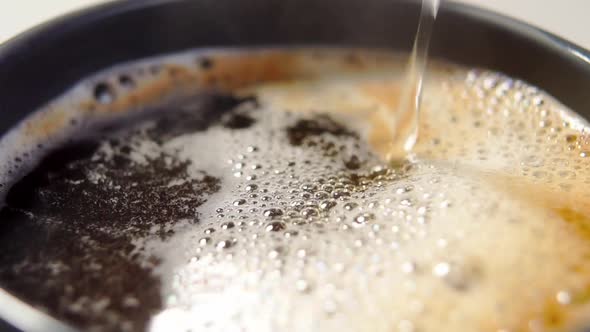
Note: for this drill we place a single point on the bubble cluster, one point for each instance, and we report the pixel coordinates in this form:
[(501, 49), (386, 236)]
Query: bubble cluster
[(325, 225), (516, 133)]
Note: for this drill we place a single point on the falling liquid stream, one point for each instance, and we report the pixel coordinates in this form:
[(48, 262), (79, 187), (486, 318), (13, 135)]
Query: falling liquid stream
[(406, 119)]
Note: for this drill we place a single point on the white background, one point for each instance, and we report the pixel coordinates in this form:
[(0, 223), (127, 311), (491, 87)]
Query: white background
[(567, 18)]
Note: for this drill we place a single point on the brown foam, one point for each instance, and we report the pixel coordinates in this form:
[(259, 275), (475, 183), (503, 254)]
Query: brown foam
[(458, 121)]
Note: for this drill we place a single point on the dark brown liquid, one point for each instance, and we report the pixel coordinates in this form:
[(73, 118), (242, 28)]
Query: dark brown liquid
[(72, 246)]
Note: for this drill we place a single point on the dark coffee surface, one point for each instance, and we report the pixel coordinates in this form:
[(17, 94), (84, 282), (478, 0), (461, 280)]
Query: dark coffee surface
[(70, 235)]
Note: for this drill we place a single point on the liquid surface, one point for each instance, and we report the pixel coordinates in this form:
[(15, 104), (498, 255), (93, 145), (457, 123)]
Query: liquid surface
[(271, 208)]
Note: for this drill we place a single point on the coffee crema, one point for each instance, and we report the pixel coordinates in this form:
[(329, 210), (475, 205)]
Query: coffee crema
[(247, 190)]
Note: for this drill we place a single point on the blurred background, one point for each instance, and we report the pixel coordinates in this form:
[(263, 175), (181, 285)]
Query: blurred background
[(566, 18)]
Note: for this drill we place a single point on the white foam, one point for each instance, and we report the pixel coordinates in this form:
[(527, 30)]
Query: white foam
[(445, 246)]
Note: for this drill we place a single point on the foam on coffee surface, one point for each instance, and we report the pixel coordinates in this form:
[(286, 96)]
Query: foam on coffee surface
[(276, 211)]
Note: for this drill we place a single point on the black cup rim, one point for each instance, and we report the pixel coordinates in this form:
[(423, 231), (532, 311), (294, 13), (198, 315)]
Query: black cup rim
[(76, 18), (570, 55)]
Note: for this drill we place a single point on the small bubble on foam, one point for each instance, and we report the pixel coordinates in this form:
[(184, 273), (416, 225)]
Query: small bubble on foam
[(251, 187), (126, 81), (226, 244), (204, 241), (363, 219), (563, 297), (350, 206), (228, 225), (441, 269), (205, 63), (275, 226), (273, 212), (239, 201), (104, 93)]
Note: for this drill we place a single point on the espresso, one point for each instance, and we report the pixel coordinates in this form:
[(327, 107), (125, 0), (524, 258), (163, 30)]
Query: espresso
[(250, 190)]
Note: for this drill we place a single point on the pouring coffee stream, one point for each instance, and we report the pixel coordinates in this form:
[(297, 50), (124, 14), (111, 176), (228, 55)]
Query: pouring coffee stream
[(405, 119)]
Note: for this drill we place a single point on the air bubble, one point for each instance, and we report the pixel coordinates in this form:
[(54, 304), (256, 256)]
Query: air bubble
[(339, 194), (206, 63), (403, 190), (275, 226), (441, 269), (310, 212), (251, 187), (350, 206), (126, 82), (273, 212), (204, 241), (445, 204), (228, 225), (327, 205), (406, 202), (563, 297), (302, 286), (363, 219), (327, 188), (239, 202), (290, 234), (321, 195), (103, 93), (226, 244), (309, 187), (408, 267)]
